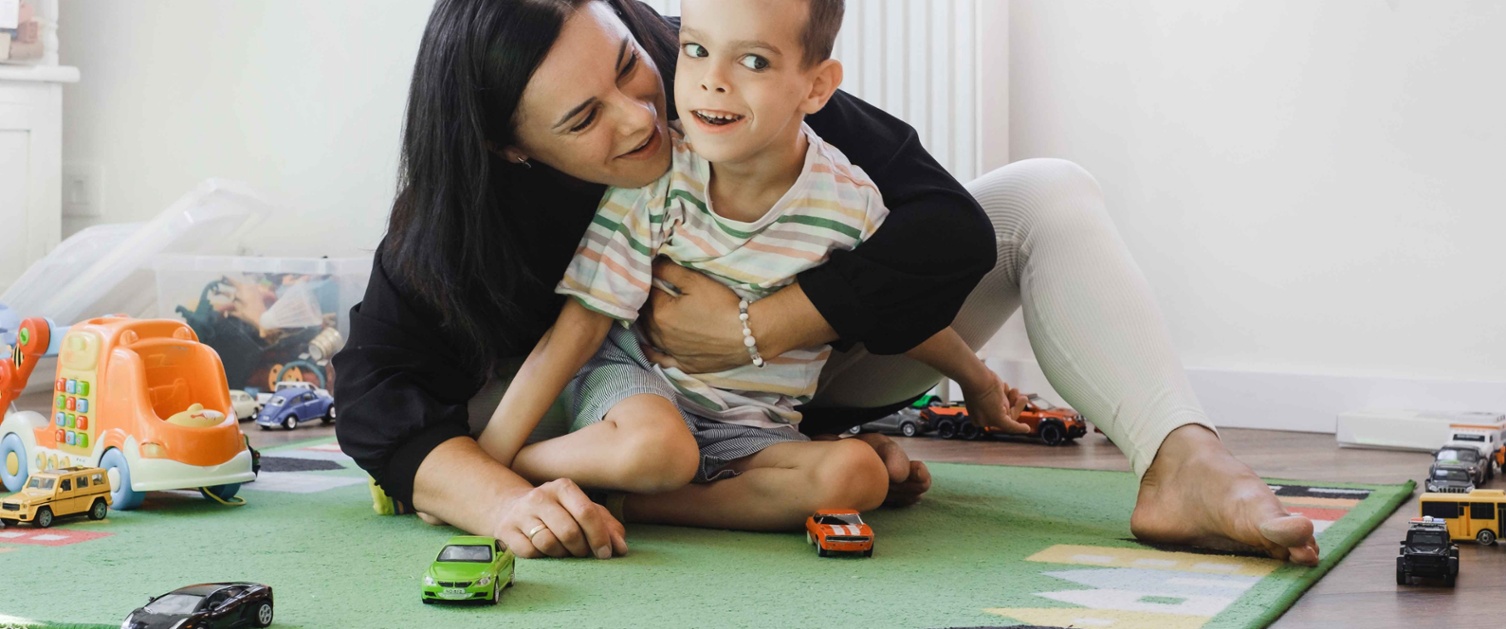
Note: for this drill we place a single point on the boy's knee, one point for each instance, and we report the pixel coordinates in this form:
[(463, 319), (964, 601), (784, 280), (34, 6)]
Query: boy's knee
[(851, 476), (656, 456)]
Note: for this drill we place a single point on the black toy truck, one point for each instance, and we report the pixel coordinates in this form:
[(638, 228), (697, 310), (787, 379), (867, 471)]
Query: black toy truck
[(1428, 552)]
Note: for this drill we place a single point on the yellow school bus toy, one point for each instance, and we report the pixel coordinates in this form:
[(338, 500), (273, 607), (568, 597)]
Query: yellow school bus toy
[(1479, 515)]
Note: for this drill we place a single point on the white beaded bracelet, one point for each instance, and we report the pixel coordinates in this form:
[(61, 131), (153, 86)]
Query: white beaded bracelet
[(748, 340)]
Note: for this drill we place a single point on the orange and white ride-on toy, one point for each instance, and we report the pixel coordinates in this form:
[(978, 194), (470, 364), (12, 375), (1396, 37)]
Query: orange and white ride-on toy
[(141, 398)]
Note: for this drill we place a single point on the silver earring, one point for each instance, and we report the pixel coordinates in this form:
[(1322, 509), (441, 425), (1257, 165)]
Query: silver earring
[(524, 162)]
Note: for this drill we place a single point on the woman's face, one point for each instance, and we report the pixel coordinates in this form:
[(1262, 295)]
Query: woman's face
[(595, 108)]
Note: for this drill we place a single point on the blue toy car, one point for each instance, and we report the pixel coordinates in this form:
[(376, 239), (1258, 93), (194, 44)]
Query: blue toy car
[(291, 405)]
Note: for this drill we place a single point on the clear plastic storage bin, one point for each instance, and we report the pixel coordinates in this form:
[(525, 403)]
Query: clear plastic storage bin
[(270, 319)]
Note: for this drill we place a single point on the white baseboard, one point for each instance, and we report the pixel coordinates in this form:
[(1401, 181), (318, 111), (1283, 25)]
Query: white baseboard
[(1292, 401)]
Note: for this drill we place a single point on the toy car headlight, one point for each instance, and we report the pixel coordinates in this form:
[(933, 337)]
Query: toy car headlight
[(151, 450), (429, 580), (486, 580)]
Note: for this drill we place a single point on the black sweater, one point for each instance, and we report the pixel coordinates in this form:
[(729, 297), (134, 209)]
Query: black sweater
[(403, 383)]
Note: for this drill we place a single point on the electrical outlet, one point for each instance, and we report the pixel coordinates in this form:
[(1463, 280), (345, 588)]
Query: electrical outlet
[(83, 190)]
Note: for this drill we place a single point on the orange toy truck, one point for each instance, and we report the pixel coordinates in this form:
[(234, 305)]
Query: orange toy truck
[(141, 398), (1051, 424)]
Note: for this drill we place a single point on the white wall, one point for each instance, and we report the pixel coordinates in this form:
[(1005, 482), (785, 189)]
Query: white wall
[(1310, 187), (302, 99), (305, 101)]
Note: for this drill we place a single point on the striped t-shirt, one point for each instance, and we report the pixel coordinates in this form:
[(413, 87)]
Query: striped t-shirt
[(832, 205)]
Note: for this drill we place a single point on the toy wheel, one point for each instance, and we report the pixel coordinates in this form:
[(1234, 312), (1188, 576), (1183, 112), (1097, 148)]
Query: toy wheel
[(8, 522), (329, 417), (821, 552), (263, 614), (1052, 433), (264, 426), (98, 510), (44, 517), (13, 470), (946, 430), (908, 429), (1401, 576), (510, 578), (1448, 580), (291, 422), (855, 429), (1486, 538), (496, 592), (223, 492), (121, 495), (426, 600), (869, 552), (968, 430)]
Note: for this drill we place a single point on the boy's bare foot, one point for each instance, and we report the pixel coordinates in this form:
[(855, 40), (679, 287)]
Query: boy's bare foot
[(1197, 493), (908, 480)]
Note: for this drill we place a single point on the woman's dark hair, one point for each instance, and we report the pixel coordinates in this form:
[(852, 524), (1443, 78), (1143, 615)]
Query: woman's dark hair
[(452, 240)]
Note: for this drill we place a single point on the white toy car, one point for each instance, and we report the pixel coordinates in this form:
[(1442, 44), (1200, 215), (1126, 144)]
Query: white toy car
[(244, 405)]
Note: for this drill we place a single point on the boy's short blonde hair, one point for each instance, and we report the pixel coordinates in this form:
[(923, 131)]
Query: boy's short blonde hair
[(821, 26)]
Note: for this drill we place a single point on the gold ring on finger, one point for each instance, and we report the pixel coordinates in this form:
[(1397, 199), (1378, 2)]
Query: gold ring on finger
[(535, 531)]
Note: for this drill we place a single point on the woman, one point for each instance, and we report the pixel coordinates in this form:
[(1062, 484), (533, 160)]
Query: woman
[(521, 112)]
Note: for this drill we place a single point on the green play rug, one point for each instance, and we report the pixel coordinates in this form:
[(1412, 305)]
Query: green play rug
[(989, 546)]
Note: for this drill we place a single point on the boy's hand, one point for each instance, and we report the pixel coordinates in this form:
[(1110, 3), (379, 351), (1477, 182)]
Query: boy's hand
[(995, 404)]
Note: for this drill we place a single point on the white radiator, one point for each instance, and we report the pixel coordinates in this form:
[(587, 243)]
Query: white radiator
[(918, 60)]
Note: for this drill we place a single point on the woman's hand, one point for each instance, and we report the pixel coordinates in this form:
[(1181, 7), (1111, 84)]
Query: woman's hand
[(696, 330), (991, 402), (562, 521)]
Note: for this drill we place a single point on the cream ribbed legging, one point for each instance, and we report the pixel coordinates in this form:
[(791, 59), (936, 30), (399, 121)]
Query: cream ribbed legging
[(1089, 314)]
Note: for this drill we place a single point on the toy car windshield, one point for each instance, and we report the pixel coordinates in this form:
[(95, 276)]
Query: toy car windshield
[(1451, 454), (481, 554), (1041, 403), (1427, 538), (1451, 474), (37, 482), (175, 604), (838, 519)]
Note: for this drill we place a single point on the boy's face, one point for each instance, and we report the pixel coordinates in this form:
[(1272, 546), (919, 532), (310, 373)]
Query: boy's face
[(739, 84)]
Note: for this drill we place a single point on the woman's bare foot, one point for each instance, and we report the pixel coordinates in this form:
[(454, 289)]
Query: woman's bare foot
[(1197, 493), (430, 520)]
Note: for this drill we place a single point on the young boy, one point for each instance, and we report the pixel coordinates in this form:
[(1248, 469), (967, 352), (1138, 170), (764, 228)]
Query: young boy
[(752, 198)]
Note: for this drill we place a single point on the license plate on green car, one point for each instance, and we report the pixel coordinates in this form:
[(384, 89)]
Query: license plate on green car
[(453, 593)]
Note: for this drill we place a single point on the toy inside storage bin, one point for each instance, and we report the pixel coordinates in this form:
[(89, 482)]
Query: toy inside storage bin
[(270, 319)]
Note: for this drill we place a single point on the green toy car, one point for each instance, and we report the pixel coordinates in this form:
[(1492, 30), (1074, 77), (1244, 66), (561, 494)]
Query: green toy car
[(470, 568)]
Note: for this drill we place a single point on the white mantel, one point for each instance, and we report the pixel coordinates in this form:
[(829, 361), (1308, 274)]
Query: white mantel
[(40, 74)]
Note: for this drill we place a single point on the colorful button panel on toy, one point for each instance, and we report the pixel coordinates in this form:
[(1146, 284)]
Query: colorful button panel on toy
[(73, 400)]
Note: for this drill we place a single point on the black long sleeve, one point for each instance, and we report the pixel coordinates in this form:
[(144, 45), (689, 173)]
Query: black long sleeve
[(909, 279)]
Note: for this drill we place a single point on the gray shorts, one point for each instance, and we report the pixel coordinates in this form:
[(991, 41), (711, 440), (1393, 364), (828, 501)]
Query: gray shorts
[(619, 370)]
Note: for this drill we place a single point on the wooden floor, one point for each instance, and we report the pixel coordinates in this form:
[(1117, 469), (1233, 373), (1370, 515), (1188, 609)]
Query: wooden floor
[(1361, 591)]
